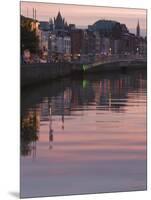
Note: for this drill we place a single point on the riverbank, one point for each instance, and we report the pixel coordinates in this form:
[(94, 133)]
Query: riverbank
[(37, 73)]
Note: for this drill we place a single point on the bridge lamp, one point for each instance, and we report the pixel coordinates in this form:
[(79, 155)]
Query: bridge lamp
[(110, 50)]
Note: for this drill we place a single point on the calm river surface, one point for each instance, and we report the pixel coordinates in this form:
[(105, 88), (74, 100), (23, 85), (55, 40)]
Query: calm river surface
[(85, 135)]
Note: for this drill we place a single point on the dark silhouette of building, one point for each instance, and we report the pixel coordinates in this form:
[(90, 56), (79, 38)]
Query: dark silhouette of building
[(59, 22), (59, 39), (76, 42), (138, 29), (107, 28), (105, 37)]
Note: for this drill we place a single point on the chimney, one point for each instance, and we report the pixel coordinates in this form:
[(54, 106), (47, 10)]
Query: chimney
[(35, 14), (27, 12)]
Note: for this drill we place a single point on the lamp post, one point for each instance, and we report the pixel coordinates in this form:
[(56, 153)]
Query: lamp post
[(137, 51), (110, 51)]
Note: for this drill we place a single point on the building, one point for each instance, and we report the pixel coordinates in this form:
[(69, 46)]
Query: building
[(59, 23), (44, 31), (138, 30), (112, 37), (82, 44), (59, 40), (72, 27), (141, 43), (76, 43), (108, 33), (63, 42)]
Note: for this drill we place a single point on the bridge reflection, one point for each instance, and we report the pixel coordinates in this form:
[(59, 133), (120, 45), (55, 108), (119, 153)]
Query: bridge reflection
[(102, 92)]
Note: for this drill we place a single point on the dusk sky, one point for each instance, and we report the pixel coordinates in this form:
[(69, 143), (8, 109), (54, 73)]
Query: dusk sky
[(83, 16)]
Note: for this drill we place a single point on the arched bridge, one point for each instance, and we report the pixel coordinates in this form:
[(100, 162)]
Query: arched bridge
[(115, 62)]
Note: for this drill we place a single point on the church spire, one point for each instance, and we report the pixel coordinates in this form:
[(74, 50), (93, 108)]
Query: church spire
[(138, 29), (59, 21), (59, 17)]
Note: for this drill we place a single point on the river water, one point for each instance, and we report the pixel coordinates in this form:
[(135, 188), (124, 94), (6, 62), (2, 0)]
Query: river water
[(84, 135)]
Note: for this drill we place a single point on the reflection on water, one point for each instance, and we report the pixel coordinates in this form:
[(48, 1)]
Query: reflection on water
[(84, 136), (29, 132)]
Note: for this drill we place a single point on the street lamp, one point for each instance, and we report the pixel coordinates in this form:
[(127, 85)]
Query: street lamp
[(137, 51), (110, 51)]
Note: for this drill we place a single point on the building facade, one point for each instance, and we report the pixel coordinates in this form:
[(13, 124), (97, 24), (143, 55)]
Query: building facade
[(59, 40), (65, 42)]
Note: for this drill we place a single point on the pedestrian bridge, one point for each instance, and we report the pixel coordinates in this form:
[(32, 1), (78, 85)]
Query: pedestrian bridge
[(114, 62)]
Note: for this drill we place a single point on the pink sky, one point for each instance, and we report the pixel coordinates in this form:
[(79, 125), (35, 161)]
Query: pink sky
[(87, 15)]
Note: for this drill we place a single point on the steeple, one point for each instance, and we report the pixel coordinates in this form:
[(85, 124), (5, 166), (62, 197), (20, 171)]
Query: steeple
[(138, 29), (51, 24), (59, 16), (50, 21), (59, 21)]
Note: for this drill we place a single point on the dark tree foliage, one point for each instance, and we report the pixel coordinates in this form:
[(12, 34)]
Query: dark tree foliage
[(29, 40)]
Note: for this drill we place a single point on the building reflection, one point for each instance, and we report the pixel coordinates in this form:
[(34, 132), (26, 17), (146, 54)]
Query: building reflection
[(108, 93), (112, 95), (61, 105), (50, 128)]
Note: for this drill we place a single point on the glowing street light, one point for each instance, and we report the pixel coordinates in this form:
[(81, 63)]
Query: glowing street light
[(110, 51)]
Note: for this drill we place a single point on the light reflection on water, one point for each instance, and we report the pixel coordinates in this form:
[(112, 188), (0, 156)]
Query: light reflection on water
[(84, 136)]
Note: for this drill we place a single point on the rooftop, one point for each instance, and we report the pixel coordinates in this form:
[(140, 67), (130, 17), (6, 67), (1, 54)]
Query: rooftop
[(104, 25), (45, 26)]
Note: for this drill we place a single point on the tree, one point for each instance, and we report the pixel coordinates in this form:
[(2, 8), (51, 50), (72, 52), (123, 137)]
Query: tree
[(29, 39)]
